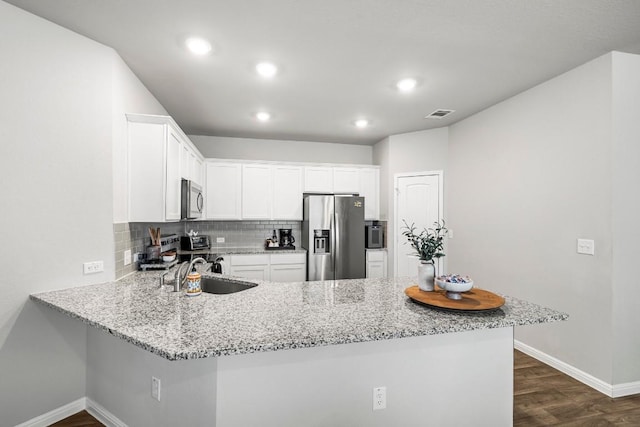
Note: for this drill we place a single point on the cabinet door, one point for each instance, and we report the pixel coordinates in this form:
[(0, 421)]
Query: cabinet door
[(346, 180), (146, 172), (173, 177), (185, 170), (287, 192), (257, 272), (318, 179), (223, 198), (195, 169), (375, 270), (256, 191), (288, 273), (370, 190)]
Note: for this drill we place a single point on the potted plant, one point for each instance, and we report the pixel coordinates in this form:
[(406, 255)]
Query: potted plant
[(428, 244)]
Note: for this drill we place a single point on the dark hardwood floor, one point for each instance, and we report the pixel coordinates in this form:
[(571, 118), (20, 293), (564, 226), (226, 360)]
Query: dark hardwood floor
[(81, 419), (543, 396)]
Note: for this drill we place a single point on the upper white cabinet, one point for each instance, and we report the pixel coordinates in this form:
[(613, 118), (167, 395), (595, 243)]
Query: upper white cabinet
[(156, 146), (223, 190), (256, 191), (274, 191), (287, 192), (369, 179), (318, 179), (346, 180)]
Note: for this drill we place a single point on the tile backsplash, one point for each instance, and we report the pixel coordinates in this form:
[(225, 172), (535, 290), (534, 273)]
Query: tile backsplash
[(237, 234)]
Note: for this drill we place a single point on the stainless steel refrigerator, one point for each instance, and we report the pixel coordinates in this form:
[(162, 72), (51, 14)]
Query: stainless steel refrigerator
[(333, 235)]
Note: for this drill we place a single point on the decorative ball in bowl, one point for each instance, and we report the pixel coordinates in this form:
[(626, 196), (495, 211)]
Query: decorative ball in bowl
[(454, 284)]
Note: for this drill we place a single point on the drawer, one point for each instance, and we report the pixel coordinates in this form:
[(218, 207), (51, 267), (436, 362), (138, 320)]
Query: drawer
[(375, 255), (299, 258), (257, 259)]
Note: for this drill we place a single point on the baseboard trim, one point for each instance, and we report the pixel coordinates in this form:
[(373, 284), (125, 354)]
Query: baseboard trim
[(617, 390), (626, 389), (100, 413), (57, 414)]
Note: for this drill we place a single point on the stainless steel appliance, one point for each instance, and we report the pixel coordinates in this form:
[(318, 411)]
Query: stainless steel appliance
[(286, 239), (374, 237), (194, 243), (192, 200), (333, 235)]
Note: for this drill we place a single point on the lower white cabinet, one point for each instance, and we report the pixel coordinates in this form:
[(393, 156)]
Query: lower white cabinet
[(376, 264), (290, 267), (250, 266)]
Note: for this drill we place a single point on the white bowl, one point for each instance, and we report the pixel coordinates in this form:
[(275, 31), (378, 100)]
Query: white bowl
[(169, 258), (454, 287)]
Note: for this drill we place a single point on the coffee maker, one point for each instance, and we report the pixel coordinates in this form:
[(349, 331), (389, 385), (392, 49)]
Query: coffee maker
[(286, 239)]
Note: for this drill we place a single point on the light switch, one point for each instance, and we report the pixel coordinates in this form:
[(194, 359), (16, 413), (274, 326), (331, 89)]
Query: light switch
[(586, 247)]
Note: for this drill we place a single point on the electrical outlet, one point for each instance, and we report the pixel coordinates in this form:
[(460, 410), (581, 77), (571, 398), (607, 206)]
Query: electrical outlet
[(93, 267), (219, 239), (379, 398), (127, 257), (586, 247), (155, 388)]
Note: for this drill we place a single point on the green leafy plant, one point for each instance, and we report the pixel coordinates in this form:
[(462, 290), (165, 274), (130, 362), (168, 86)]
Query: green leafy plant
[(429, 242)]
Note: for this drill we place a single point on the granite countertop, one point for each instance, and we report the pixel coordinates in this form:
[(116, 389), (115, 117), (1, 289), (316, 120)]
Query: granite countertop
[(270, 316), (241, 251)]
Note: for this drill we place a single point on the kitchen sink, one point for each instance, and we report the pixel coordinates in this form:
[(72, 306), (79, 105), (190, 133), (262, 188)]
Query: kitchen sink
[(214, 285)]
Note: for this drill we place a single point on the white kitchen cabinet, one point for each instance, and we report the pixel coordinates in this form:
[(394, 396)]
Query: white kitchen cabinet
[(256, 191), (196, 169), (369, 188), (250, 266), (223, 190), (287, 193), (376, 264), (174, 181), (155, 146), (288, 267), (346, 180), (318, 179)]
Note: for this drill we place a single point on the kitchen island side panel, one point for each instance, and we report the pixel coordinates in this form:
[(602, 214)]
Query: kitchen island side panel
[(459, 379), (455, 379)]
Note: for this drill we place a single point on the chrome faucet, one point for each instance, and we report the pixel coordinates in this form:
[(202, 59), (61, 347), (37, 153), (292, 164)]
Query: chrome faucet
[(181, 276)]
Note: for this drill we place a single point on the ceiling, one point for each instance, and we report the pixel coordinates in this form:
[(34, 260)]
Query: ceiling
[(339, 59)]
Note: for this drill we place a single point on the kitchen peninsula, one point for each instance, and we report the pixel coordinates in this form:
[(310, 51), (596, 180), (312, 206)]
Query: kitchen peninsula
[(304, 354)]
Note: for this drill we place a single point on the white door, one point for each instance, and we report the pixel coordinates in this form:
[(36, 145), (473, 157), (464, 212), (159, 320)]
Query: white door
[(287, 192), (418, 201), (256, 191)]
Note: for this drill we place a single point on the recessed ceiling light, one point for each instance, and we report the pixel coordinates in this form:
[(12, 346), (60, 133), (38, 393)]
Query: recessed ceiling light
[(361, 123), (267, 69), (263, 116), (406, 85), (198, 46)]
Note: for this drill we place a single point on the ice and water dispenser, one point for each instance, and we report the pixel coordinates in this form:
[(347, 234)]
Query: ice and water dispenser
[(321, 241)]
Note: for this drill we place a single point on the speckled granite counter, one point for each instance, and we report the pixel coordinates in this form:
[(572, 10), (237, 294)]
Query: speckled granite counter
[(271, 316), (241, 251)]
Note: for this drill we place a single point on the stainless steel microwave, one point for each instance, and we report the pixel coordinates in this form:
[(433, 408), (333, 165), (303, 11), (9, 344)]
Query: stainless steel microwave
[(374, 237), (192, 200)]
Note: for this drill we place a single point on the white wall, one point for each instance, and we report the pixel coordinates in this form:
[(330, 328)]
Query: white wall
[(129, 96), (55, 158), (409, 152), (526, 178), (280, 150), (626, 209)]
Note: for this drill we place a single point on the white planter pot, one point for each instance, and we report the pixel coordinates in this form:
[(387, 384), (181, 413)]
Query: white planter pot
[(426, 276)]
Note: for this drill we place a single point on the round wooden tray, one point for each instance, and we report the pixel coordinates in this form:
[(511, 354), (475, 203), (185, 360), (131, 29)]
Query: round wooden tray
[(473, 300)]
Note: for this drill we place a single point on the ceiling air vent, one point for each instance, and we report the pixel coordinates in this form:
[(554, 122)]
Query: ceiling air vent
[(438, 114)]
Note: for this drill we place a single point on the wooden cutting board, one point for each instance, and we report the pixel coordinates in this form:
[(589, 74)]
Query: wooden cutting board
[(473, 300)]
